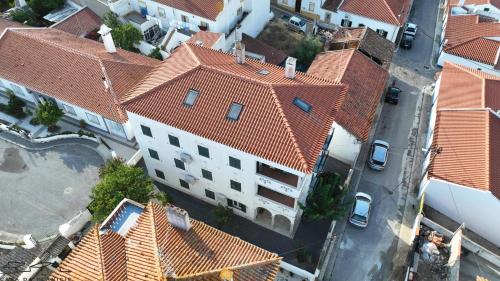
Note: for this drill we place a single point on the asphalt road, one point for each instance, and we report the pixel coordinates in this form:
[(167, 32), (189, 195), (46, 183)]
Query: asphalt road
[(368, 254)]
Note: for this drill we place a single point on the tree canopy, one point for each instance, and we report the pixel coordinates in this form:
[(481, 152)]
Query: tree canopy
[(48, 114), (126, 35), (155, 53), (43, 7), (325, 201), (307, 50), (119, 181), (25, 15), (110, 19)]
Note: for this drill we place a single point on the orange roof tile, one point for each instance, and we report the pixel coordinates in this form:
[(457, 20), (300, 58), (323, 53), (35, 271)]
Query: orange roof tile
[(463, 28), (479, 49), (389, 11), (208, 9), (80, 23), (153, 249), (270, 126), (271, 54), (205, 38), (4, 23), (366, 81), (70, 68)]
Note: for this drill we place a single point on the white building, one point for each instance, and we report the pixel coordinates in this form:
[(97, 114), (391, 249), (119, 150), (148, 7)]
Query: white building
[(386, 17), (80, 75), (235, 132), (366, 80), (463, 141), (166, 22), (471, 39)]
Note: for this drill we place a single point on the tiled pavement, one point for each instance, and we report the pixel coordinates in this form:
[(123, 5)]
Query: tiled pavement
[(310, 235)]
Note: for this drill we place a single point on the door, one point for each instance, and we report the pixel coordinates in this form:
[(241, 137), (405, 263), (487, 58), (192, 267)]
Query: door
[(298, 3)]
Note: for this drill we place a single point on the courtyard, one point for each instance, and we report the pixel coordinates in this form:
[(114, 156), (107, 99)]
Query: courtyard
[(45, 188)]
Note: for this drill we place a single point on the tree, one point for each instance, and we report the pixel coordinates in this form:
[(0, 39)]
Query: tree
[(25, 15), (163, 198), (222, 215), (48, 114), (325, 201), (15, 105), (307, 50), (155, 53), (110, 19), (119, 181), (6, 4), (126, 35), (43, 7)]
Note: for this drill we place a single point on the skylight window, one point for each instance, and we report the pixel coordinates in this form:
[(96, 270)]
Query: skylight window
[(234, 111), (190, 97), (300, 103), (263, 72)]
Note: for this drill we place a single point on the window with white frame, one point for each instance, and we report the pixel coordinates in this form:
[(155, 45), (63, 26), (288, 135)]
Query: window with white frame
[(184, 19), (161, 12), (92, 118), (311, 6), (346, 23), (69, 109)]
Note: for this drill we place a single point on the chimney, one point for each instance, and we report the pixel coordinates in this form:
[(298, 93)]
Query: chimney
[(239, 51), (178, 218), (290, 67), (107, 39)]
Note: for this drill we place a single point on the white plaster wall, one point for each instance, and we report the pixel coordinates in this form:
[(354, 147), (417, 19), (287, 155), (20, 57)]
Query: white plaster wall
[(445, 57), (344, 146), (81, 114), (24, 94), (493, 12), (478, 209), (392, 30), (218, 164)]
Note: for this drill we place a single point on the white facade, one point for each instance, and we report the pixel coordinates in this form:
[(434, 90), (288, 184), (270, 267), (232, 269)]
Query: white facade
[(344, 145), (359, 21), (75, 112), (445, 57), (252, 16), (257, 206)]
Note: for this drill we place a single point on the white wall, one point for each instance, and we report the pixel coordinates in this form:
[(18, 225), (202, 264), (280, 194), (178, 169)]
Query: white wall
[(17, 90), (371, 23), (478, 209), (445, 57), (218, 164), (344, 146)]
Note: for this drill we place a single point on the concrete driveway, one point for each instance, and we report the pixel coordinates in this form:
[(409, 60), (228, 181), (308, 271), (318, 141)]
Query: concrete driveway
[(43, 189)]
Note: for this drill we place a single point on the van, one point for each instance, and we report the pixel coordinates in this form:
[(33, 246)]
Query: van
[(297, 24)]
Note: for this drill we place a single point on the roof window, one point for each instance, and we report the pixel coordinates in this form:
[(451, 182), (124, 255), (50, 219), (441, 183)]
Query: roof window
[(234, 111), (263, 72), (190, 97), (300, 103)]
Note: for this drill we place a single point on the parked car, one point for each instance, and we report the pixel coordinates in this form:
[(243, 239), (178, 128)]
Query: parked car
[(378, 155), (411, 29), (297, 24), (392, 95), (360, 212), (406, 41)]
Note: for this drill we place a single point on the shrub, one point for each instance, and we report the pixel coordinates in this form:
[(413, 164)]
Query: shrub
[(53, 128), (307, 50), (34, 121), (155, 54), (2, 107), (126, 35), (43, 7), (222, 215), (15, 106), (82, 124), (110, 19), (163, 198), (48, 113), (25, 15)]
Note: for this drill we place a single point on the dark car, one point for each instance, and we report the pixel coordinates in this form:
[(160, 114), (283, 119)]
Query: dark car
[(392, 95), (406, 42)]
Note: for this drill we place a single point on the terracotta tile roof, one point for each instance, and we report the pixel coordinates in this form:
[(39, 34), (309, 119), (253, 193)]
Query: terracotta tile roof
[(77, 67), (470, 149), (5, 23), (153, 249), (479, 49), (390, 11), (81, 23), (207, 38), (271, 54), (208, 9), (270, 126), (495, 3), (465, 88), (463, 28), (331, 5), (366, 81)]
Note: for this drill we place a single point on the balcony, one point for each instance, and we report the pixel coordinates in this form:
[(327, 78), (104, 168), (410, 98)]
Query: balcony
[(276, 196), (277, 174)]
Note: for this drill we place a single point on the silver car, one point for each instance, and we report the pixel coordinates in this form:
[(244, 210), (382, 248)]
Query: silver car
[(378, 155), (361, 210), (297, 24)]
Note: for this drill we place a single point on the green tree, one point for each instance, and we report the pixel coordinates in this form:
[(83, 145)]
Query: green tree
[(15, 105), (43, 7), (110, 19), (25, 15), (119, 181), (48, 114), (325, 201), (163, 198), (155, 53), (126, 35), (307, 50), (6, 4), (222, 215)]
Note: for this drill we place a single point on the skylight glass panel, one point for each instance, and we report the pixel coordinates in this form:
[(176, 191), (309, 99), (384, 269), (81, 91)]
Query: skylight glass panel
[(234, 111), (300, 103), (191, 97)]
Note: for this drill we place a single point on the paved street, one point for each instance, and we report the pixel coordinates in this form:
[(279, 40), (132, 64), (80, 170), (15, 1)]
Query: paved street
[(369, 254)]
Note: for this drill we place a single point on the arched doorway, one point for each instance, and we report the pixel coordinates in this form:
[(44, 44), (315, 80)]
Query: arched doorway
[(282, 223), (264, 216)]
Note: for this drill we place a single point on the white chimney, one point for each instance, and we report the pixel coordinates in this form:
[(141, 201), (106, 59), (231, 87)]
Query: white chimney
[(21, 3), (107, 39), (178, 218), (239, 52), (290, 67)]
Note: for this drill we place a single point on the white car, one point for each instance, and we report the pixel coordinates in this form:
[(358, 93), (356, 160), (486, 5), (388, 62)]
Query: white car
[(297, 24), (411, 29), (360, 213)]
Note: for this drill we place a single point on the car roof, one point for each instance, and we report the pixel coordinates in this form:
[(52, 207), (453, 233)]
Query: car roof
[(362, 206), (295, 18), (411, 25)]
